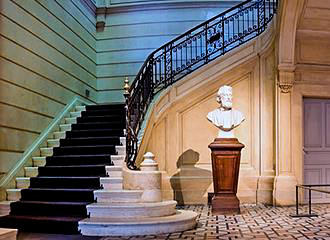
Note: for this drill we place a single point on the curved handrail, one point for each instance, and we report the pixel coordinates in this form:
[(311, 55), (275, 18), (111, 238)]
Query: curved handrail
[(188, 52)]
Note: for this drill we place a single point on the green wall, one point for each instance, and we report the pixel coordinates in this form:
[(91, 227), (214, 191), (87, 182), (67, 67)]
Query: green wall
[(48, 56)]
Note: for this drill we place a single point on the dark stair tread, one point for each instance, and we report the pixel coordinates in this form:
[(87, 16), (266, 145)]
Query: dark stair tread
[(83, 146), (49, 208), (84, 141), (103, 118), (65, 177), (75, 170), (65, 182), (46, 218), (46, 224), (48, 202), (105, 107)]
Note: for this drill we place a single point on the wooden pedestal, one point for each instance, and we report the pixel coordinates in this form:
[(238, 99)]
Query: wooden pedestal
[(226, 155)]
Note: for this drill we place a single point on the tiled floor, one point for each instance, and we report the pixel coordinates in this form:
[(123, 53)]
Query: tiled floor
[(255, 222)]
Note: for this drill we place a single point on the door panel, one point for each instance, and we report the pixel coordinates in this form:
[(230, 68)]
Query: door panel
[(317, 145)]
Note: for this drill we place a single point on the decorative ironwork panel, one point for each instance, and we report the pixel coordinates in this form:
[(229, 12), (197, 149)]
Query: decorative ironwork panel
[(188, 52)]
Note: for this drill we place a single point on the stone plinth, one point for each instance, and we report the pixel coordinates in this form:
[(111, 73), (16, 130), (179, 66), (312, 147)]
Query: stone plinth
[(226, 154)]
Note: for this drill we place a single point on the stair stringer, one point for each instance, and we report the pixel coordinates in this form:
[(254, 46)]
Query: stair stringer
[(34, 156)]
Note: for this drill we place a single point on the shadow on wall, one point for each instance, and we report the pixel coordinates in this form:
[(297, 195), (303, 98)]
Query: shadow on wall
[(190, 183)]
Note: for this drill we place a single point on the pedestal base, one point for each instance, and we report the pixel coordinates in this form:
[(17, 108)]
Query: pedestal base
[(225, 205)]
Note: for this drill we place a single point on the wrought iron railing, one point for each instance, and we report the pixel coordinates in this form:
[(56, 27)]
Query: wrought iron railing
[(188, 52)]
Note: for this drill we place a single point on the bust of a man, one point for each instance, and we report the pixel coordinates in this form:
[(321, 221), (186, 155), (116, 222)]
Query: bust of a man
[(224, 117)]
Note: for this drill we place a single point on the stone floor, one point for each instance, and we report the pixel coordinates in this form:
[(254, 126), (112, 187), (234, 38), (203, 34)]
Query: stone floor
[(254, 222)]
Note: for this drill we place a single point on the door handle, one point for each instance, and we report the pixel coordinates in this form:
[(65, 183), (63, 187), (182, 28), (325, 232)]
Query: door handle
[(305, 151)]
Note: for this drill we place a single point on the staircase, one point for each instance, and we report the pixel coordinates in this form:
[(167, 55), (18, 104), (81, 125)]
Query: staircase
[(78, 162)]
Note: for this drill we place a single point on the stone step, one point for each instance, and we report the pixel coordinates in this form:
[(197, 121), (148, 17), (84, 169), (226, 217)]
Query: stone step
[(5, 208), (109, 196), (75, 114), (31, 171), (22, 182), (13, 194), (111, 183), (53, 142), (59, 135), (131, 210), (114, 171), (118, 160), (8, 234), (65, 127), (46, 151), (71, 120), (107, 226), (121, 150), (123, 141), (39, 161), (80, 108)]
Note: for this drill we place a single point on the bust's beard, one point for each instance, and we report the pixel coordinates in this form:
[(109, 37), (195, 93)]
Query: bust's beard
[(227, 104)]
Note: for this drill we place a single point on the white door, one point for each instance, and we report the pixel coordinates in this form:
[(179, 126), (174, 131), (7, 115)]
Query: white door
[(317, 145)]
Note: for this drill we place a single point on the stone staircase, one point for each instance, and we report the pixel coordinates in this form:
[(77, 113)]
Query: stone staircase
[(110, 201), (53, 193), (136, 208)]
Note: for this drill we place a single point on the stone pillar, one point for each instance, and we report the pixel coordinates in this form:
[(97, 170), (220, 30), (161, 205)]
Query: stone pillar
[(285, 180), (149, 179)]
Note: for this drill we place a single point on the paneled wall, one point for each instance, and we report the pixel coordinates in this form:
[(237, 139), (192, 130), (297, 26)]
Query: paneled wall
[(178, 132), (133, 29), (47, 56)]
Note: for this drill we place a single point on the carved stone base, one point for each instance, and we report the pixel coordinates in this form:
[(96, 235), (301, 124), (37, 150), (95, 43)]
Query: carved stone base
[(226, 155)]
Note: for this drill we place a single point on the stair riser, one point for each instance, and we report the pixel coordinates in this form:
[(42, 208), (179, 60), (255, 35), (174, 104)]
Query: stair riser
[(70, 171), (127, 212), (59, 135), (31, 171), (13, 195), (71, 120), (113, 107), (67, 161), (91, 119), (41, 226), (83, 151), (65, 127), (116, 197), (98, 126), (53, 143), (19, 208), (57, 195), (175, 224), (102, 113), (105, 133), (86, 142), (39, 161), (22, 183), (65, 183), (75, 114), (112, 186), (46, 151)]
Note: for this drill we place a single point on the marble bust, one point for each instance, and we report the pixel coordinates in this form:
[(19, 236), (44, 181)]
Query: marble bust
[(224, 117)]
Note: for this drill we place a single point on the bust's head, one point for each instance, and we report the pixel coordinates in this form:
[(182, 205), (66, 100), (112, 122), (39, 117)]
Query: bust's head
[(224, 97)]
